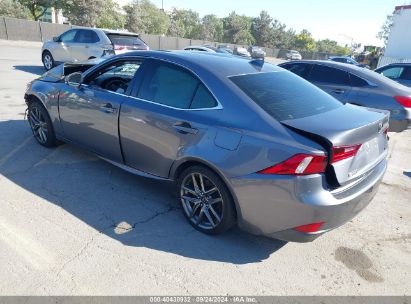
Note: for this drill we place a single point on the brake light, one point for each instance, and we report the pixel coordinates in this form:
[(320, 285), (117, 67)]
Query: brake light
[(309, 228), (299, 164), (404, 100), (119, 47), (344, 152)]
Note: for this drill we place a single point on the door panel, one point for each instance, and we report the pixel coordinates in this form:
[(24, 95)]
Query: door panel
[(62, 51)]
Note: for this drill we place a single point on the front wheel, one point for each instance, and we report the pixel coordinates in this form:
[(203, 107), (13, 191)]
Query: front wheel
[(41, 125), (48, 60), (205, 200)]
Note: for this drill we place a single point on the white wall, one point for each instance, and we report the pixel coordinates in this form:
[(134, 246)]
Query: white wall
[(399, 41)]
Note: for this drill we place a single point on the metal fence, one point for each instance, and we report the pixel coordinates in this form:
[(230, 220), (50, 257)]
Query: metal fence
[(27, 30)]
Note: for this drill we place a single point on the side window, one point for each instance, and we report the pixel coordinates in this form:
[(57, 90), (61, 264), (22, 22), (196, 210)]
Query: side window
[(114, 77), (406, 75), (203, 99), (339, 60), (86, 36), (393, 73), (357, 81), (176, 87), (324, 74), (299, 69), (68, 36)]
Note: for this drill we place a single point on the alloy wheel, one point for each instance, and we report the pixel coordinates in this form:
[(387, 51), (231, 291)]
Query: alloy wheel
[(48, 62), (38, 124), (202, 201)]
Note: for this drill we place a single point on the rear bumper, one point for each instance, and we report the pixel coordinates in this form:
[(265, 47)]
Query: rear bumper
[(274, 205)]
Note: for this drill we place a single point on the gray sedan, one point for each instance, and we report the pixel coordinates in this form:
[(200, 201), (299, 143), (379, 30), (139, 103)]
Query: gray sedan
[(359, 86), (246, 142)]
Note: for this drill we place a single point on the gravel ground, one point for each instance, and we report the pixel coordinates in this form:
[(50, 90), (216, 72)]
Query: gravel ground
[(71, 224)]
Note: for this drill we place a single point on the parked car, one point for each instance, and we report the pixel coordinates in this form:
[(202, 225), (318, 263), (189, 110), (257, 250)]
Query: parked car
[(399, 72), (245, 142), (348, 60), (359, 86), (240, 51), (293, 55), (256, 52), (80, 44)]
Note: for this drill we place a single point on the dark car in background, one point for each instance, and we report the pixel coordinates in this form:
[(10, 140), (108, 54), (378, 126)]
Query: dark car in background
[(245, 143), (359, 86), (399, 72), (256, 52), (347, 60)]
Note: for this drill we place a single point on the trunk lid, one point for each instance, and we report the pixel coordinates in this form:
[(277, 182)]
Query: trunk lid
[(348, 125)]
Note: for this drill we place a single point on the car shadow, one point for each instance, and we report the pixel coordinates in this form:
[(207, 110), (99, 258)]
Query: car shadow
[(133, 210), (406, 173), (32, 69)]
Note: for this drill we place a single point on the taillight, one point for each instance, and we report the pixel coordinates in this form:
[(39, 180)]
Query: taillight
[(404, 100), (299, 164), (344, 152), (119, 47), (309, 228)]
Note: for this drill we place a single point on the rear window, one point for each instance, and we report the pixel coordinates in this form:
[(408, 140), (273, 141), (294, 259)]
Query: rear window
[(284, 95), (126, 40)]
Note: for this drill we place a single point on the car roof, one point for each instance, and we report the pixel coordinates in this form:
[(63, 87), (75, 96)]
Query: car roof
[(222, 65), (398, 64)]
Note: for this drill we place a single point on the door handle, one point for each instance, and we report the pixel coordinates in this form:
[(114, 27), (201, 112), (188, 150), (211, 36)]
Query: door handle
[(184, 128), (107, 108), (338, 91)]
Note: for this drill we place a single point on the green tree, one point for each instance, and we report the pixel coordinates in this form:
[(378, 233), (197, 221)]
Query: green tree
[(304, 41), (185, 23), (262, 29), (37, 8), (384, 32), (212, 28), (237, 29), (12, 8), (83, 12), (110, 17), (144, 17)]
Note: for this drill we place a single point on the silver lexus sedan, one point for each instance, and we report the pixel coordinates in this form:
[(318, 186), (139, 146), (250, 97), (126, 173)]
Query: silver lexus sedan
[(247, 143)]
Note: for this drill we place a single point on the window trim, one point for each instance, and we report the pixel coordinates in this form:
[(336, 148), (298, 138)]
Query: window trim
[(217, 107)]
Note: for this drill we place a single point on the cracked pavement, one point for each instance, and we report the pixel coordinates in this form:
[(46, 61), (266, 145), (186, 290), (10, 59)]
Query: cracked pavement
[(72, 224)]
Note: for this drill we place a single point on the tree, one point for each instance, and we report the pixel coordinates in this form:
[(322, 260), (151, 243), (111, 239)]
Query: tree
[(262, 29), (384, 33), (212, 28), (185, 23), (37, 8), (237, 29), (12, 8), (304, 41), (144, 17), (83, 12), (110, 17)]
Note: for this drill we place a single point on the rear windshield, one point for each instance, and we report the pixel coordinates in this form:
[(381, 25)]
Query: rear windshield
[(284, 95), (128, 40)]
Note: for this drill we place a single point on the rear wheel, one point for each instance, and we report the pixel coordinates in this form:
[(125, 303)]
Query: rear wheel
[(48, 60), (41, 125), (205, 200)]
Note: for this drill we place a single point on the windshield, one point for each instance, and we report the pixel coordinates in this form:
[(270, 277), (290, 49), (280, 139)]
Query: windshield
[(126, 40), (284, 95)]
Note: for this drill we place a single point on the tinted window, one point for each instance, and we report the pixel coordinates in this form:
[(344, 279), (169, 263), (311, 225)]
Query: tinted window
[(406, 74), (299, 68), (86, 36), (320, 73), (169, 85), (393, 73), (284, 95), (357, 81), (340, 60), (68, 36), (126, 40), (203, 99)]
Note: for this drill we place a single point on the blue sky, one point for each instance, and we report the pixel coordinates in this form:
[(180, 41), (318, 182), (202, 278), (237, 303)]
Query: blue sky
[(334, 19)]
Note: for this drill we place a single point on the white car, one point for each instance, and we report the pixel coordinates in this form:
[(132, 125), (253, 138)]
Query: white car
[(293, 55), (81, 44)]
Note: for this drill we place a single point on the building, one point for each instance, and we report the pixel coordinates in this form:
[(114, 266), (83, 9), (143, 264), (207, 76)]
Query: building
[(53, 15), (398, 47)]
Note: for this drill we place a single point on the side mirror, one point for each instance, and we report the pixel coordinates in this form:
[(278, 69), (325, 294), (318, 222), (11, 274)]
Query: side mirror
[(74, 79), (56, 39)]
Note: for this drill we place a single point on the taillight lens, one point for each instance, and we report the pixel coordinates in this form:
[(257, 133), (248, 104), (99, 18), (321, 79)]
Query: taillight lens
[(309, 228), (404, 100), (299, 164), (119, 47), (344, 152)]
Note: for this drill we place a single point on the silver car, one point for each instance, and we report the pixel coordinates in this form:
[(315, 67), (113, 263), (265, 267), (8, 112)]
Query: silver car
[(81, 44), (245, 142)]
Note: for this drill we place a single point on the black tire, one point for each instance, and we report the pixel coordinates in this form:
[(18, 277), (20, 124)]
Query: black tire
[(48, 60), (40, 124), (224, 209)]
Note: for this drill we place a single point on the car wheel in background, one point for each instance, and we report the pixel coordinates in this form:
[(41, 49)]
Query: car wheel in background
[(48, 60), (41, 125), (205, 200)]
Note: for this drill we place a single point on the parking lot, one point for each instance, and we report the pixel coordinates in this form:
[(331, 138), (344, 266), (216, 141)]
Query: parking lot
[(72, 224)]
